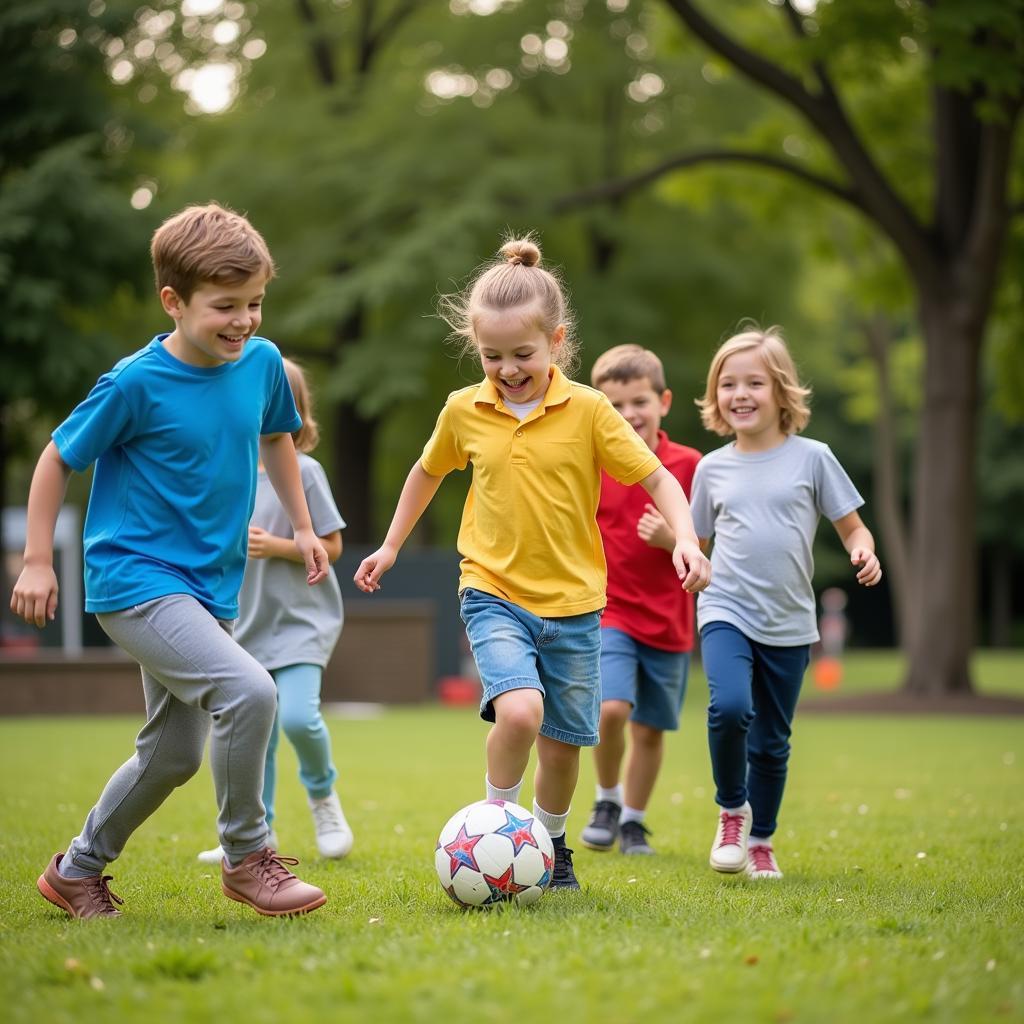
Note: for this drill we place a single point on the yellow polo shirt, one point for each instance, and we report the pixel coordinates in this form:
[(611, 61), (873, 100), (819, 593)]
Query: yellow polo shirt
[(529, 530)]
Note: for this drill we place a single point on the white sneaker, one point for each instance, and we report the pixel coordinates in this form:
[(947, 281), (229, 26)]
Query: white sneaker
[(729, 852), (216, 855), (333, 836), (762, 862)]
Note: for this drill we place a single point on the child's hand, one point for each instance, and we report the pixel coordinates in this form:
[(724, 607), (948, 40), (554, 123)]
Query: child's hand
[(692, 565), (870, 568), (652, 529), (314, 555), (260, 543), (372, 567), (35, 595)]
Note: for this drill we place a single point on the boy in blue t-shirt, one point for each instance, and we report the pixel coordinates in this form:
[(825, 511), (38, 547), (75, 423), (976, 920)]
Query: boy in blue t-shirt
[(175, 431)]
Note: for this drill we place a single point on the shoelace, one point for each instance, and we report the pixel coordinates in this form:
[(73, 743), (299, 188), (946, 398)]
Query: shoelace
[(563, 862), (327, 818), (763, 858), (271, 870), (99, 892), (732, 829)]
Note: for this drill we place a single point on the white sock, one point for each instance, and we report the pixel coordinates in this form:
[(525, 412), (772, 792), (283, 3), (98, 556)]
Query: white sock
[(554, 823), (508, 795), (614, 794), (759, 841), (631, 814), (738, 810)]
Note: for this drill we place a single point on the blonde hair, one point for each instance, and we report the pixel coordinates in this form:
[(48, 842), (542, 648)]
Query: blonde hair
[(791, 395), (307, 437), (512, 280), (625, 363), (207, 244)]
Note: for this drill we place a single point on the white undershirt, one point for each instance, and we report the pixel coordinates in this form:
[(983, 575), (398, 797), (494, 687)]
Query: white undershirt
[(522, 409)]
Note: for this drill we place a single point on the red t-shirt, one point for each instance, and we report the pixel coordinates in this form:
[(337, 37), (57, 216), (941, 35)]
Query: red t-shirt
[(645, 598)]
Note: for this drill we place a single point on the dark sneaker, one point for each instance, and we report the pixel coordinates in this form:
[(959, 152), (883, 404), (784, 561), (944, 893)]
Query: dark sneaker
[(603, 827), (633, 838), (562, 875), (264, 882), (79, 897)]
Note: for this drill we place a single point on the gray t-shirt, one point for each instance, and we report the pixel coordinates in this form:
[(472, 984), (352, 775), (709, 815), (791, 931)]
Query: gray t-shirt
[(281, 619), (762, 508)]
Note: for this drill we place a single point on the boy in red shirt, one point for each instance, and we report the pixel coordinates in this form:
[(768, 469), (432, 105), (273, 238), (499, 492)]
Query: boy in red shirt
[(647, 627)]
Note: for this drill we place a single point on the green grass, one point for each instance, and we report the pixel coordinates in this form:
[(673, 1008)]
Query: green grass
[(903, 900)]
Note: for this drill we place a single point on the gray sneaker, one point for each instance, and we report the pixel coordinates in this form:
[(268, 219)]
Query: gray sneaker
[(603, 827), (633, 838)]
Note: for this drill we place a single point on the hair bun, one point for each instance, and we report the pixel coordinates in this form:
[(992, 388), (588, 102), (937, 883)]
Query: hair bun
[(521, 252)]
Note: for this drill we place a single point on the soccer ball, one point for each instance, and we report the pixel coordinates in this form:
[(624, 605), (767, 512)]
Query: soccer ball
[(494, 852)]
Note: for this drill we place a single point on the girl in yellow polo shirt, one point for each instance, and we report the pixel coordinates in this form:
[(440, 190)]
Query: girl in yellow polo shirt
[(533, 571)]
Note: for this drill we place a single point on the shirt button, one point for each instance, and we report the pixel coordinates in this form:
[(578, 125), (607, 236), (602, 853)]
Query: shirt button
[(519, 433)]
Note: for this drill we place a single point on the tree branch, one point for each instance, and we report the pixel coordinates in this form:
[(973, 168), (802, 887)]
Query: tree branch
[(323, 59), (387, 28), (825, 113), (619, 187)]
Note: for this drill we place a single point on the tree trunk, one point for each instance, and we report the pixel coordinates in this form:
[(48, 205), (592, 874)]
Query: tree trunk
[(943, 577), (354, 445), (888, 492)]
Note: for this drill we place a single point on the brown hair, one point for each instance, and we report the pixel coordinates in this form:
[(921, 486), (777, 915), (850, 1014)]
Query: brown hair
[(625, 363), (513, 279), (307, 437), (207, 244), (794, 412)]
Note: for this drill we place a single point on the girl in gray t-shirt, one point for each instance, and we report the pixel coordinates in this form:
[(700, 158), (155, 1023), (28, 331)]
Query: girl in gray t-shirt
[(291, 629), (761, 497)]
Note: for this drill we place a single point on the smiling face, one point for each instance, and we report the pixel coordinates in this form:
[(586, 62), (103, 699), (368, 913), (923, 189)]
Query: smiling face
[(515, 353), (747, 401), (216, 322), (641, 406)]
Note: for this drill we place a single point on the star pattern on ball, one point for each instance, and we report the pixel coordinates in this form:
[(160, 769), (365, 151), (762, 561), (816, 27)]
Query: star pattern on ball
[(460, 851), (503, 886), (518, 830)]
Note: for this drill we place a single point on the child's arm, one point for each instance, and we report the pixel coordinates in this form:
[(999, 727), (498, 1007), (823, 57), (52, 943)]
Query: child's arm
[(692, 566), (857, 540), (277, 453), (268, 545), (35, 594), (420, 488)]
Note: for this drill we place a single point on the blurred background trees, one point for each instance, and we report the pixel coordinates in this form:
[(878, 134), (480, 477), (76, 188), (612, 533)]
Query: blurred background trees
[(848, 170)]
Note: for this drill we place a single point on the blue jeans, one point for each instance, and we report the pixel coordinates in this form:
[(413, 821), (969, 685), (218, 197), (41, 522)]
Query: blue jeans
[(515, 649), (753, 692), (298, 713)]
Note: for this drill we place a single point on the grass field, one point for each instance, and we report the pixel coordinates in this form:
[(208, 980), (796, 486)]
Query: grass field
[(901, 840)]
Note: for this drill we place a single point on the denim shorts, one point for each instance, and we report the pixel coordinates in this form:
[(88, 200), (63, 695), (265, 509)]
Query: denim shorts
[(653, 681), (515, 649)]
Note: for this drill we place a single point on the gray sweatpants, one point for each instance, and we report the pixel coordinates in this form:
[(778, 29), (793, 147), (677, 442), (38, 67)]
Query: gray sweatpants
[(193, 675)]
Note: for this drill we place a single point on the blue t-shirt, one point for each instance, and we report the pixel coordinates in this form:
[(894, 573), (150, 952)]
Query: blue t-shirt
[(176, 450)]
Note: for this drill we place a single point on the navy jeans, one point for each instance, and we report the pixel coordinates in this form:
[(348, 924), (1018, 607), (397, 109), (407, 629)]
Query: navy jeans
[(753, 693)]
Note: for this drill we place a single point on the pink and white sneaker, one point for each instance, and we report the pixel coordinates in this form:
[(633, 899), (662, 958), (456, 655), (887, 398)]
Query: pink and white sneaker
[(729, 850), (761, 862)]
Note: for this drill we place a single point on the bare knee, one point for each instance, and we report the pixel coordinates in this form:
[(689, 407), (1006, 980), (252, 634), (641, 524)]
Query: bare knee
[(615, 714), (647, 736), (519, 713)]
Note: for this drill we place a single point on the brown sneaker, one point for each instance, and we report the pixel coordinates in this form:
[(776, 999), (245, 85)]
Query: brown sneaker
[(79, 897), (263, 881)]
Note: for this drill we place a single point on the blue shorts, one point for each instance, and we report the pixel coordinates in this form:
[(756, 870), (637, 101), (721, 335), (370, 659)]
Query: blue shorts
[(653, 681), (515, 650)]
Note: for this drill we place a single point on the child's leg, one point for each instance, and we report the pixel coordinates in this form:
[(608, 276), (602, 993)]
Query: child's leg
[(298, 694), (778, 675), (517, 718), (728, 662), (558, 768), (188, 654), (647, 746), (619, 669), (270, 769), (611, 749)]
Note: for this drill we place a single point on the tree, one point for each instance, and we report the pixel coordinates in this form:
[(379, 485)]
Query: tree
[(962, 66)]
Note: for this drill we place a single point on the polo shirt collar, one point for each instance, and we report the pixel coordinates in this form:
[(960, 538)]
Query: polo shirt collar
[(559, 391)]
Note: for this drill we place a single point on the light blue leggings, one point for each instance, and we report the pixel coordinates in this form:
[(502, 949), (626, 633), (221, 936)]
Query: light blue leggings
[(298, 713)]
